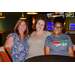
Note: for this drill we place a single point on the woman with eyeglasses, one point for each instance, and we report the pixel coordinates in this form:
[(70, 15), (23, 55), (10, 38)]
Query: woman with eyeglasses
[(58, 43)]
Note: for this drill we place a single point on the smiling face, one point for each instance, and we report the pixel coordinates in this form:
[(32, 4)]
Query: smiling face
[(22, 27), (40, 25), (57, 28)]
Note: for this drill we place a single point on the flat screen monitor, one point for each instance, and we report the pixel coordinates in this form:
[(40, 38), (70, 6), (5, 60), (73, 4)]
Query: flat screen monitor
[(69, 14), (72, 26), (55, 14), (50, 25)]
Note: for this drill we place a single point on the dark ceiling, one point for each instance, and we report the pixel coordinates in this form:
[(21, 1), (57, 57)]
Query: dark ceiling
[(45, 12), (18, 14)]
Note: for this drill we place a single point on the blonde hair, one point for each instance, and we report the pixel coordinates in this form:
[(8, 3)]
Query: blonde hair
[(16, 27)]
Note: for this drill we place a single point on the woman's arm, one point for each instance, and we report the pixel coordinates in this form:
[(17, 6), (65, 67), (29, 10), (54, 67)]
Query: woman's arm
[(9, 43), (70, 51), (47, 51)]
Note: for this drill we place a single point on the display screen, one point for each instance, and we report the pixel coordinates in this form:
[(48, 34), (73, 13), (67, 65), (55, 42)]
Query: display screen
[(55, 14), (61, 14), (50, 25), (72, 26), (69, 14)]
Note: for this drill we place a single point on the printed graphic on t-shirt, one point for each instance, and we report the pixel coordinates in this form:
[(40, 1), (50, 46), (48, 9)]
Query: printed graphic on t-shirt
[(60, 43)]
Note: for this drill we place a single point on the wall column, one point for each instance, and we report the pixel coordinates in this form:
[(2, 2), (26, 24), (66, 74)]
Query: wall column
[(32, 22)]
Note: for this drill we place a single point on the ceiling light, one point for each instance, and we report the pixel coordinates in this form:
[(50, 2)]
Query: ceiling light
[(1, 16), (33, 13), (23, 18)]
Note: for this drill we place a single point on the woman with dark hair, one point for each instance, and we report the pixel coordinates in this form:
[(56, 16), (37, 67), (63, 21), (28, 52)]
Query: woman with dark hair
[(18, 42), (37, 40), (58, 43)]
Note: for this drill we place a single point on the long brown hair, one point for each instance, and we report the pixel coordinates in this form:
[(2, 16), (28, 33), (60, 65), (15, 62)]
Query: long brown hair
[(16, 27)]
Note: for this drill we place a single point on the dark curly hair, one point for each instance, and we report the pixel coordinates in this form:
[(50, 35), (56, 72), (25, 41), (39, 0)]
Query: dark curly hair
[(59, 19)]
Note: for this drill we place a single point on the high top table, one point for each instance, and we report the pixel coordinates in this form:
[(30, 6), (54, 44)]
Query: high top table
[(51, 58)]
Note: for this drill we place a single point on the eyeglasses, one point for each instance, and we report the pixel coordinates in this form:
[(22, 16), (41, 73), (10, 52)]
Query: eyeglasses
[(57, 27)]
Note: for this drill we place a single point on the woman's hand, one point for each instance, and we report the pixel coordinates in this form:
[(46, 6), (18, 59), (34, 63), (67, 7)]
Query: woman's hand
[(2, 48)]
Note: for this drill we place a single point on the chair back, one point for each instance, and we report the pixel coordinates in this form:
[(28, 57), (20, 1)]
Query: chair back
[(0, 59), (4, 56)]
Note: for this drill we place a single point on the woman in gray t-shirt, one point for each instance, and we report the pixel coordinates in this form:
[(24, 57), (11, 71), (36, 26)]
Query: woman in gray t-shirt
[(37, 40), (58, 43)]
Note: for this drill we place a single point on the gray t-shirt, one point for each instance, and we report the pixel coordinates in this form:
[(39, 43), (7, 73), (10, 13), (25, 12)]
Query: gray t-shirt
[(58, 45), (36, 45)]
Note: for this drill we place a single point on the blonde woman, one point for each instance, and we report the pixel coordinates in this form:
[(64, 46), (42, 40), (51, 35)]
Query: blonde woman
[(17, 42)]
